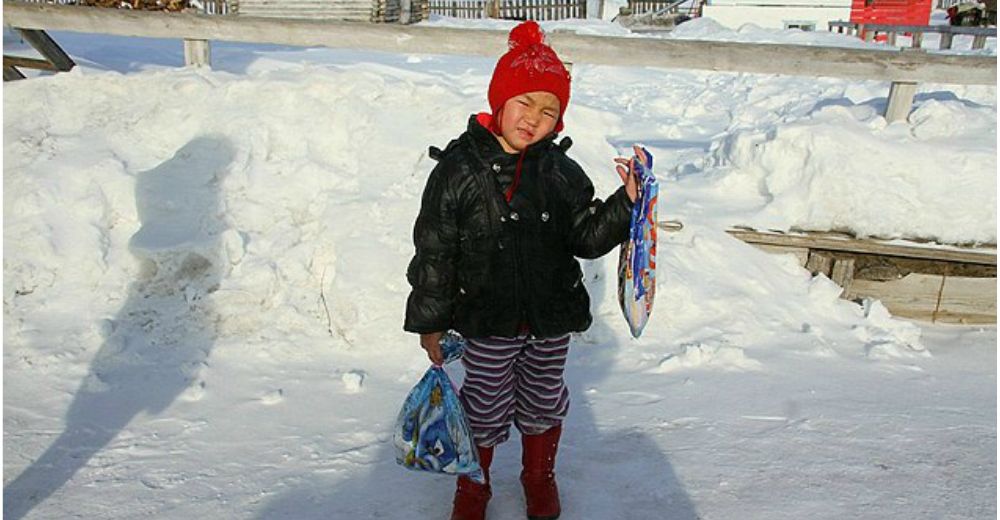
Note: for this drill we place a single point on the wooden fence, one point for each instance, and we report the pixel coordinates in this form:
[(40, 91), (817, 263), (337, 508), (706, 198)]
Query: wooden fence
[(871, 32), (510, 9), (639, 7), (353, 10), (214, 7), (458, 8)]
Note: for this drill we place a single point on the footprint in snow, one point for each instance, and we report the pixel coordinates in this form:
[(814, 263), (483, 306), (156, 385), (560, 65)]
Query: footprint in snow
[(273, 397)]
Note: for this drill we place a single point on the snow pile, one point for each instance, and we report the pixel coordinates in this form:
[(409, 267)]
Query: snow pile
[(708, 29), (843, 168), (246, 198)]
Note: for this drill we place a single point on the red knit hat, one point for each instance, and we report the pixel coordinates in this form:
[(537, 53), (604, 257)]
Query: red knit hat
[(530, 65)]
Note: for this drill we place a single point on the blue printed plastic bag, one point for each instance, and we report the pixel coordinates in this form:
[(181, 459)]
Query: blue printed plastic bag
[(637, 261), (432, 433)]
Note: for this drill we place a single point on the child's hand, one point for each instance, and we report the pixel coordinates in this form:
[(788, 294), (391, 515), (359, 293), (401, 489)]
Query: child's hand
[(626, 170), (432, 344)]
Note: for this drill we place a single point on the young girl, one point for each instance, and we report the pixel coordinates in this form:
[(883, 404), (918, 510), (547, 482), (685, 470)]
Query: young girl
[(503, 218)]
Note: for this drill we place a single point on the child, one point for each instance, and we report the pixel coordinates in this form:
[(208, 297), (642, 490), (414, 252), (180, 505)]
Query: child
[(503, 216)]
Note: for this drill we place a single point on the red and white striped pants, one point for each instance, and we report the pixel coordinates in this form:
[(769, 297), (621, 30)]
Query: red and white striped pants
[(516, 380)]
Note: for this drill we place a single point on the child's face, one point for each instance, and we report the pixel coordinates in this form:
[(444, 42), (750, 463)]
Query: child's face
[(527, 119)]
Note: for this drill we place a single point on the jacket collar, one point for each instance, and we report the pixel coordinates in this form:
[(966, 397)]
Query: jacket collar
[(489, 147)]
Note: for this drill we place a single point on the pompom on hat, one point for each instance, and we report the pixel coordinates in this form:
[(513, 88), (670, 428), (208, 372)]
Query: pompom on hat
[(529, 66)]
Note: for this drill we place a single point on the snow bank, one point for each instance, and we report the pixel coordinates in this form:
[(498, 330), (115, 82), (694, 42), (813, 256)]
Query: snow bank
[(843, 168), (295, 185)]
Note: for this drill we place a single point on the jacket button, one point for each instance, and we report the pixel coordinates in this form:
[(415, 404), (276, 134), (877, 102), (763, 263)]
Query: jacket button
[(514, 216), (503, 218), (496, 168), (545, 216)]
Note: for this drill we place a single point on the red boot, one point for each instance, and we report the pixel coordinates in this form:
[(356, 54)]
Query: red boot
[(538, 476), (470, 497)]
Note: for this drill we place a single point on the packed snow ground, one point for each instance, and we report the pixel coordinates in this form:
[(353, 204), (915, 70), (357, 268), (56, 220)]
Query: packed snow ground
[(203, 292)]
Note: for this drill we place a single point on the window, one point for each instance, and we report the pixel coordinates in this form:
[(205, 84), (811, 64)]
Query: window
[(801, 25)]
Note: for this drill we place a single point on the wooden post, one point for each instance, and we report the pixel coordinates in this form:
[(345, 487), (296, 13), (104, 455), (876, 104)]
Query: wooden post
[(892, 38), (48, 48), (946, 38), (197, 53), (979, 41), (900, 100), (819, 263), (405, 11), (843, 273), (11, 74), (918, 39)]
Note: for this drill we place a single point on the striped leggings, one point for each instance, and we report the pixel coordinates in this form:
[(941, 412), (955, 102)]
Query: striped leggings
[(516, 380)]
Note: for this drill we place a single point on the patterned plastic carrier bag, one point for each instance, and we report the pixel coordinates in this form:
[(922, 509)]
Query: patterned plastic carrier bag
[(432, 433), (637, 260)]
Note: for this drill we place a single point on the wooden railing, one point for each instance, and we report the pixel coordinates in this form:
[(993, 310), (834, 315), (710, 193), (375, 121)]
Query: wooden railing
[(870, 32)]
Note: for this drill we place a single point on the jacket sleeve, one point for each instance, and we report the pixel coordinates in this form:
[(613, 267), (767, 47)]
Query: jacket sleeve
[(431, 272), (597, 226)]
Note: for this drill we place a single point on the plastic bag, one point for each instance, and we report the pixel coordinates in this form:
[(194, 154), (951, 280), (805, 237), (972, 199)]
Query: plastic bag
[(432, 433), (637, 259)]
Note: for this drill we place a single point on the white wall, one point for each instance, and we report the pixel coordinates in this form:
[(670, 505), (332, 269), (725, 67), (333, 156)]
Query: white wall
[(774, 16)]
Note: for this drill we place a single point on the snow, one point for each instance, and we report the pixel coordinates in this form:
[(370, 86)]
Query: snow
[(204, 287)]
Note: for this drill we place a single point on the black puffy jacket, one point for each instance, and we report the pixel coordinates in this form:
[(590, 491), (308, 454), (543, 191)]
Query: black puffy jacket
[(486, 267)]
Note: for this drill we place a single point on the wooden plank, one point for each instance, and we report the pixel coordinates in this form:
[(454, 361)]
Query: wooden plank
[(197, 53), (799, 60), (978, 42), (837, 242), (820, 263), (968, 300), (843, 272), (29, 63), (943, 29), (901, 94), (946, 40), (933, 297), (11, 74), (47, 47), (914, 296), (801, 253)]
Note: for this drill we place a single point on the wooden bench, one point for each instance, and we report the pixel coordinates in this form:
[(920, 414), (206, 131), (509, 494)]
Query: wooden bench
[(923, 281)]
